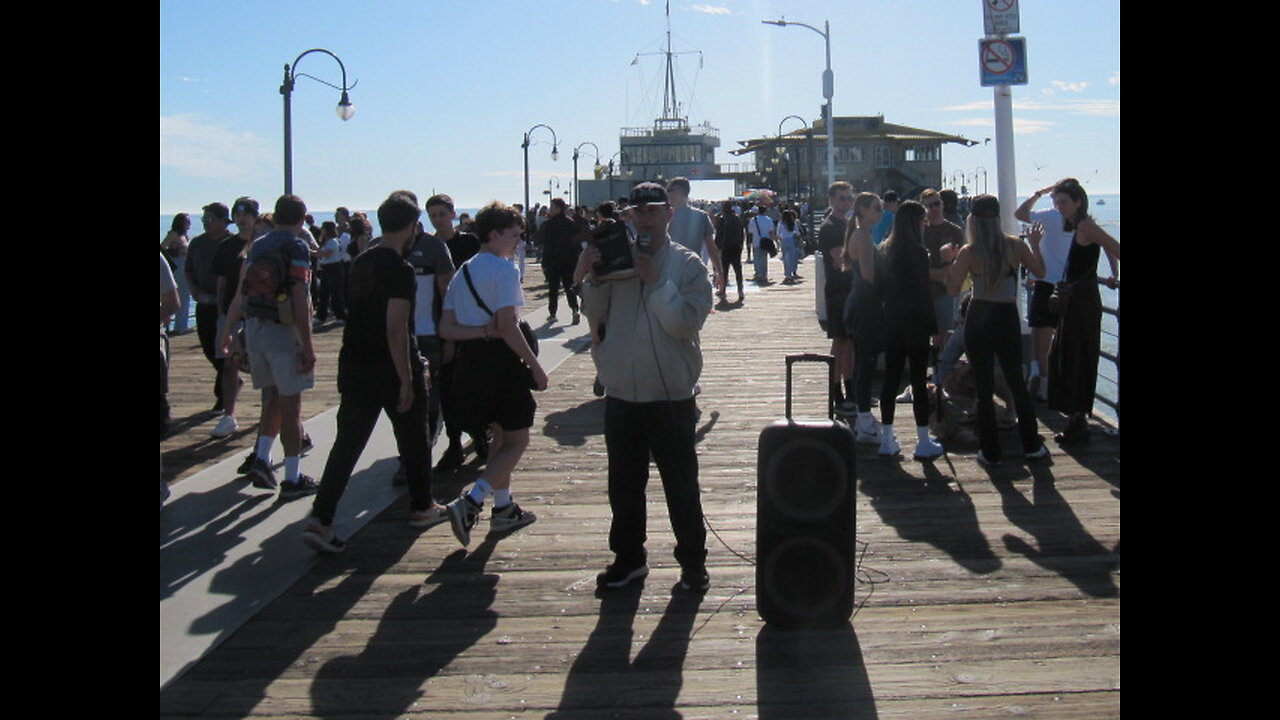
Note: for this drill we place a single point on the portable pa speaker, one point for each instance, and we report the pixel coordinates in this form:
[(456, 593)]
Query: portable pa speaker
[(805, 517)]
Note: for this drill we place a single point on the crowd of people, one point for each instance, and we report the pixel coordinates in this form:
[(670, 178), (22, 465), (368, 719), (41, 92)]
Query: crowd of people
[(432, 333)]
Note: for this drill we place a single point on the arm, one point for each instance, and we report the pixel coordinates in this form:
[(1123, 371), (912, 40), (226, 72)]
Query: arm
[(681, 305), (168, 305), (866, 254), (235, 313), (509, 331), (713, 252), (300, 296), (1023, 212), (1091, 233), (1030, 257), (398, 344), (957, 271), (450, 329)]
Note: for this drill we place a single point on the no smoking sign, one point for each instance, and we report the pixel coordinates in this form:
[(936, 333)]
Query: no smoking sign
[(1003, 61)]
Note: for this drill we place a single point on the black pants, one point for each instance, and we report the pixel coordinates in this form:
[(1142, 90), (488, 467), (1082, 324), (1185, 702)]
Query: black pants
[(732, 259), (560, 275), (365, 394), (633, 431), (898, 352), (207, 331), (991, 333), (333, 290)]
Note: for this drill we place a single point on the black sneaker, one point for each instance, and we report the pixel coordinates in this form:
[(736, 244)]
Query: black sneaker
[(306, 443), (618, 575), (303, 486), (695, 580), (261, 475), (451, 459), (247, 465), (462, 517)]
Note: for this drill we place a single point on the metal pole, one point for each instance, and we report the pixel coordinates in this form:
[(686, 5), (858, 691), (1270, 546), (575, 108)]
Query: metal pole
[(1006, 180), (828, 89), (286, 89)]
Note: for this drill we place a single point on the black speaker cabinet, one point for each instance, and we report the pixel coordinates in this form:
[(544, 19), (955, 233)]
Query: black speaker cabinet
[(805, 517)]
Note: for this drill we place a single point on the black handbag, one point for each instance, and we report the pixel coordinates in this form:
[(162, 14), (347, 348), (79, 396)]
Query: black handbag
[(525, 328)]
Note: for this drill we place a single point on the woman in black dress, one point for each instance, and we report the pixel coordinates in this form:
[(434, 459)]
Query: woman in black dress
[(1073, 355)]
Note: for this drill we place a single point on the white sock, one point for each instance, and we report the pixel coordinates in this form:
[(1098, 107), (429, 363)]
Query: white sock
[(502, 498), (480, 491), (922, 433), (291, 469), (263, 449), (1035, 368)]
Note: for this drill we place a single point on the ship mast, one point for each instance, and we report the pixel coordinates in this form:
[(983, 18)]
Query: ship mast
[(670, 108)]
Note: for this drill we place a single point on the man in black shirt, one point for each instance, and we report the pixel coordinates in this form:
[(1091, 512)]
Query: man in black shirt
[(380, 370)]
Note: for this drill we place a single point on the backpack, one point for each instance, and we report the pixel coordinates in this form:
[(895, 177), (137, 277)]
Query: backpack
[(266, 286)]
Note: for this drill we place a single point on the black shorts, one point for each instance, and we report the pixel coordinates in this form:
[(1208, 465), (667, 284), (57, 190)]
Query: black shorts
[(1038, 314), (491, 384)]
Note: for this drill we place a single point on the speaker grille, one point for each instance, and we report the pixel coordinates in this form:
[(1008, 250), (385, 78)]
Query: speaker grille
[(805, 577), (805, 480)]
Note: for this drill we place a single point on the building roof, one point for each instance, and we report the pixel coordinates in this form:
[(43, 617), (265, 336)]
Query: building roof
[(853, 129)]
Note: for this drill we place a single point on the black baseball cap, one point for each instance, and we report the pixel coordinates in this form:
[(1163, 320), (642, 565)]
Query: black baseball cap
[(648, 193)]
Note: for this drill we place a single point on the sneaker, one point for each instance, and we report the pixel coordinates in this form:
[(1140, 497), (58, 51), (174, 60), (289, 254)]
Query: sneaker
[(1043, 452), (616, 575), (905, 397), (451, 459), (551, 318), (428, 518), (247, 465), (889, 444), (321, 538), (306, 443), (866, 430), (695, 580), (847, 408), (226, 425), (510, 518), (261, 476), (928, 449), (597, 388), (462, 516), (293, 489), (982, 459), (577, 317)]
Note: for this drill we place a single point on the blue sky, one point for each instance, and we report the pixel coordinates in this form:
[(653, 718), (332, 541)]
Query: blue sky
[(445, 89)]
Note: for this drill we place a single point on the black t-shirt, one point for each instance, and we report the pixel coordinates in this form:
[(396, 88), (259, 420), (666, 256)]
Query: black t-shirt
[(377, 276), (226, 265), (830, 242), (462, 246)]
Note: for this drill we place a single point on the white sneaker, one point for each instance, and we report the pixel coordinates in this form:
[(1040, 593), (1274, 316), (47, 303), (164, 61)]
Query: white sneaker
[(888, 443), (510, 518), (928, 449), (905, 397), (226, 425), (866, 430)]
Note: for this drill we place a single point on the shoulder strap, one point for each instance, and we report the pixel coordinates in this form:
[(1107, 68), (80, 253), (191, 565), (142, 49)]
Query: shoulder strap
[(466, 274)]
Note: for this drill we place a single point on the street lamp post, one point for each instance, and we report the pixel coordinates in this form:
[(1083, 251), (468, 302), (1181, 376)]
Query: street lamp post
[(780, 122), (577, 198), (345, 109), (828, 89), (555, 155)]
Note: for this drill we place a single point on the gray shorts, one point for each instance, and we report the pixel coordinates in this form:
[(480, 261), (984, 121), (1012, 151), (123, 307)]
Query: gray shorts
[(274, 358)]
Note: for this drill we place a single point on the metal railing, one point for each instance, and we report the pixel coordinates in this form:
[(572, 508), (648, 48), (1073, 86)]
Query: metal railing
[(1113, 358)]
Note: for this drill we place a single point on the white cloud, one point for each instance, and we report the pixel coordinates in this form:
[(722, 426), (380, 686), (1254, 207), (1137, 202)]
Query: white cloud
[(1099, 107), (196, 148), (1114, 79), (1059, 85), (1021, 125), (712, 9)]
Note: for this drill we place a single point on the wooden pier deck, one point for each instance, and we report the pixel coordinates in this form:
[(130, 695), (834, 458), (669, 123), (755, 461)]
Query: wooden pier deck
[(981, 593)]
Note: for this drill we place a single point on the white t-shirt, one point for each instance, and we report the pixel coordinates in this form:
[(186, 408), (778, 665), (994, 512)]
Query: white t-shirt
[(759, 227), (1055, 244), (497, 281)]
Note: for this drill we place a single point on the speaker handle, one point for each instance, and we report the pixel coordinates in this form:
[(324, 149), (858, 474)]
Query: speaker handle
[(831, 369)]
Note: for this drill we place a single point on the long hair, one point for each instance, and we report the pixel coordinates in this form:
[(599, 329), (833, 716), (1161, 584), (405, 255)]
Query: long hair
[(995, 249), (1072, 189), (180, 223), (906, 239), (861, 202), (789, 218)]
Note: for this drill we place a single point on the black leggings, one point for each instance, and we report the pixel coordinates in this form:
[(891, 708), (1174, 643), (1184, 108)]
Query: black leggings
[(732, 259), (991, 333), (899, 351)]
